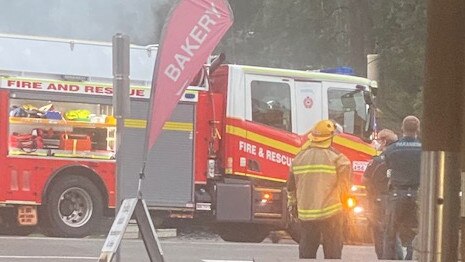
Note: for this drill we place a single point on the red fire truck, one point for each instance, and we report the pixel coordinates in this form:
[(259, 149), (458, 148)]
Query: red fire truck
[(223, 156)]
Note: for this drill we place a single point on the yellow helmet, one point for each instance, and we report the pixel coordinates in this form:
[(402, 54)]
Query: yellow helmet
[(322, 131)]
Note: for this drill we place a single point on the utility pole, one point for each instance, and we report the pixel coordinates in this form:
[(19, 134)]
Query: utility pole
[(121, 106), (372, 67), (442, 129)]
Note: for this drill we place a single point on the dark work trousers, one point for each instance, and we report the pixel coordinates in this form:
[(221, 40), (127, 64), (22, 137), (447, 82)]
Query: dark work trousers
[(327, 232), (402, 222), (377, 222), (378, 225)]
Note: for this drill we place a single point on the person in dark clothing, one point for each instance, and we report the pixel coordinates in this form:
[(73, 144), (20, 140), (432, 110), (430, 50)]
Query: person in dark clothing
[(376, 182), (403, 163)]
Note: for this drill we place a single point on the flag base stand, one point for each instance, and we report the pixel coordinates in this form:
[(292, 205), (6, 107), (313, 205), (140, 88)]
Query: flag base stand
[(138, 208)]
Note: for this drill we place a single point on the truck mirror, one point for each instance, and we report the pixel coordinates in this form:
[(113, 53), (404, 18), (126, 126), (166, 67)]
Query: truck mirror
[(348, 102), (370, 124), (367, 96)]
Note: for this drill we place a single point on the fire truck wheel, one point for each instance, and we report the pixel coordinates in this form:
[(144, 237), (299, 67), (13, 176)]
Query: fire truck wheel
[(242, 232), (74, 207)]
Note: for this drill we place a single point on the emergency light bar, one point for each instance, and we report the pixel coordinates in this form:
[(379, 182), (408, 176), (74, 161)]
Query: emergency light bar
[(342, 70)]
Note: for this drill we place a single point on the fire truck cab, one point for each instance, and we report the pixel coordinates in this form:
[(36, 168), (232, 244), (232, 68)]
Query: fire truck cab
[(267, 115)]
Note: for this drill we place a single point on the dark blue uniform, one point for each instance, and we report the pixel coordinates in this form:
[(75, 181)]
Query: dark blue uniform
[(377, 193), (376, 181), (403, 160)]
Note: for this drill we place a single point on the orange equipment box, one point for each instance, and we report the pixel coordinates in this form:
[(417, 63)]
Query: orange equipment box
[(75, 142)]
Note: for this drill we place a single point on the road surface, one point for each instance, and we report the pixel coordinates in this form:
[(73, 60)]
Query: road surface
[(180, 249)]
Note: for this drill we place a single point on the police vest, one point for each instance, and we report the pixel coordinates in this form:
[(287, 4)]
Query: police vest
[(403, 159)]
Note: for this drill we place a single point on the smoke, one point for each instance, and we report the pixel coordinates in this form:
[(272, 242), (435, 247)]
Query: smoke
[(96, 20)]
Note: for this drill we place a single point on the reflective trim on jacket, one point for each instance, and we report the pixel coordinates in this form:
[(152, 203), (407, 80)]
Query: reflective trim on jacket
[(318, 182), (307, 214), (313, 169)]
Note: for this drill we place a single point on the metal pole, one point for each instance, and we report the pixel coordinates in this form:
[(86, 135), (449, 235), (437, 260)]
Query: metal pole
[(462, 208), (439, 206), (120, 106), (442, 124), (372, 67)]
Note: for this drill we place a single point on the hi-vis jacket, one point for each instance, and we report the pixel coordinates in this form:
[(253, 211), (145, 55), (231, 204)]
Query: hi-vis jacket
[(318, 182)]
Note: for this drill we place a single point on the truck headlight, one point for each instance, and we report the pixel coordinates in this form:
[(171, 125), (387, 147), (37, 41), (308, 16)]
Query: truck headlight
[(358, 210), (351, 202)]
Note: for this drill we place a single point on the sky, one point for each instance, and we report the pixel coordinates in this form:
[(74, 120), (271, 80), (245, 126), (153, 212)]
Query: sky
[(96, 20)]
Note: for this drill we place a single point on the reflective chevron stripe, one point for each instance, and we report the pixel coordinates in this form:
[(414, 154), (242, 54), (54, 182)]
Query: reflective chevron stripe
[(312, 169), (319, 213)]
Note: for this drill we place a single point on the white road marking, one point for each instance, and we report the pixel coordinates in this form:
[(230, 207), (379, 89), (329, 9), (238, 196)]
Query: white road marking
[(228, 244), (102, 240), (51, 238), (50, 257), (204, 260)]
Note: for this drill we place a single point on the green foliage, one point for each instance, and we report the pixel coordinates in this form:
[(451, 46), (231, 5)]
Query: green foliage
[(312, 34), (304, 34), (292, 34), (400, 32)]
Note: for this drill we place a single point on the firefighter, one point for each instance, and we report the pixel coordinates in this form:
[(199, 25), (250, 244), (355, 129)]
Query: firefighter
[(403, 162), (376, 182), (317, 186)]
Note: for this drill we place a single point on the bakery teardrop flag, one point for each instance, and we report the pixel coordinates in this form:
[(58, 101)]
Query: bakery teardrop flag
[(191, 33)]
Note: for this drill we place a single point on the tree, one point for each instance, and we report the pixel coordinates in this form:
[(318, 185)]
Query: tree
[(400, 31), (314, 34), (302, 34)]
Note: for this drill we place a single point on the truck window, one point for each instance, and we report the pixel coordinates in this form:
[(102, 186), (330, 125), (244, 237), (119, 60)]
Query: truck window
[(348, 108), (271, 104), (61, 129)]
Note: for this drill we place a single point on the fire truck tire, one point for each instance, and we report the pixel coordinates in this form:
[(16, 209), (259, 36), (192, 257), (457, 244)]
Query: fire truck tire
[(242, 232), (74, 207)]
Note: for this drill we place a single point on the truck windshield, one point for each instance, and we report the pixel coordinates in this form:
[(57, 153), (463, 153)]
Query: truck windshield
[(348, 108), (271, 104)]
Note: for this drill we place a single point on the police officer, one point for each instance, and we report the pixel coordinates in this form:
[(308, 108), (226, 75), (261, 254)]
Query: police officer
[(403, 163), (317, 184), (376, 182)]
